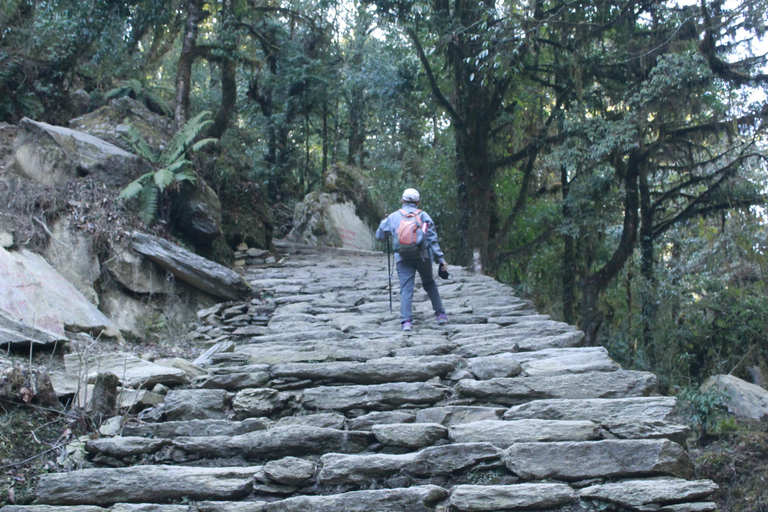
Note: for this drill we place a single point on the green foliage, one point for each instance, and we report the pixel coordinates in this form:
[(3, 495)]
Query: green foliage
[(169, 167), (140, 92), (704, 410)]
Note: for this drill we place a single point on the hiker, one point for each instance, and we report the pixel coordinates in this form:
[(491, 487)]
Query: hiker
[(412, 259)]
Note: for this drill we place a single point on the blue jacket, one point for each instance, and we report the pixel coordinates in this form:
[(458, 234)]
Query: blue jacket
[(388, 227)]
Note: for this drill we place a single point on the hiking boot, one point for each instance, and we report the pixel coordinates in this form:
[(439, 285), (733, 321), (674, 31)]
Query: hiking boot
[(406, 326), (442, 318)]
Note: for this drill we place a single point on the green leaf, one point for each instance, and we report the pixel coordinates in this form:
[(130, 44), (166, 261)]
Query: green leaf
[(131, 190), (163, 178), (136, 186), (202, 143), (186, 175)]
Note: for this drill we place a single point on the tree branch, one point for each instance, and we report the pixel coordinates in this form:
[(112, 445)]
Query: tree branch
[(441, 99)]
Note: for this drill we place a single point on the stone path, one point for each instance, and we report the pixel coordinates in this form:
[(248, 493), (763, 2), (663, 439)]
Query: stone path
[(314, 401)]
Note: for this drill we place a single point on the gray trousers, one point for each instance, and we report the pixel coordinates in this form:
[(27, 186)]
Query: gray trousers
[(406, 272)]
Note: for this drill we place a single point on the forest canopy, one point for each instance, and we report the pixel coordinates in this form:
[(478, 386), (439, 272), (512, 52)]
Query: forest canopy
[(608, 158)]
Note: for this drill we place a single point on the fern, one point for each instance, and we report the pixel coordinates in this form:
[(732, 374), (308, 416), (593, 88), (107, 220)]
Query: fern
[(170, 167)]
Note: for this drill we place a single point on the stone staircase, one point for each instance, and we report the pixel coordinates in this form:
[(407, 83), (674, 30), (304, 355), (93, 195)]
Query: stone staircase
[(314, 401)]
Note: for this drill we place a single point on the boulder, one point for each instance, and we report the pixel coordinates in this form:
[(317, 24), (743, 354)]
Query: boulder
[(71, 253), (53, 155), (744, 399), (329, 219), (34, 293), (135, 272), (197, 213), (111, 123), (194, 270)]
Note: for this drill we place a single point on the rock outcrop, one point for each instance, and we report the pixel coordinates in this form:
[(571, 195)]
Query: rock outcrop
[(53, 155), (312, 400), (34, 293)]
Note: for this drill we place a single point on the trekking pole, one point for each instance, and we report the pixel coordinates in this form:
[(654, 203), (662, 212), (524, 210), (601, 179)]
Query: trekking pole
[(389, 272)]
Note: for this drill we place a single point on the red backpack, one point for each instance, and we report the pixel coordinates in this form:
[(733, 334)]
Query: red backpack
[(411, 236)]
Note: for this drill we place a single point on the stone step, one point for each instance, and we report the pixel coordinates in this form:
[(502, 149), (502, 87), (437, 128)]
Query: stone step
[(513, 391), (276, 443), (492, 498), (378, 397), (375, 371), (503, 434), (553, 361), (363, 470), (144, 484), (649, 494), (171, 429), (607, 459)]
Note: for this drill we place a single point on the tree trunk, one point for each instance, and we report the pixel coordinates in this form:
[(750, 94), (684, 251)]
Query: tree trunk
[(648, 296), (186, 59), (228, 99), (569, 258), (591, 315)]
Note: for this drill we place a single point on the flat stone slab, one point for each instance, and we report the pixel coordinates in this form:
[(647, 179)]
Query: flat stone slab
[(643, 493), (132, 371), (504, 433), (456, 414), (599, 410), (438, 460), (141, 484), (367, 421), (410, 435), (412, 499), (124, 446), (277, 442), (493, 498), (171, 429), (377, 371), (322, 420), (555, 361), (609, 458), (190, 404), (619, 384), (194, 270), (374, 397), (290, 471)]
